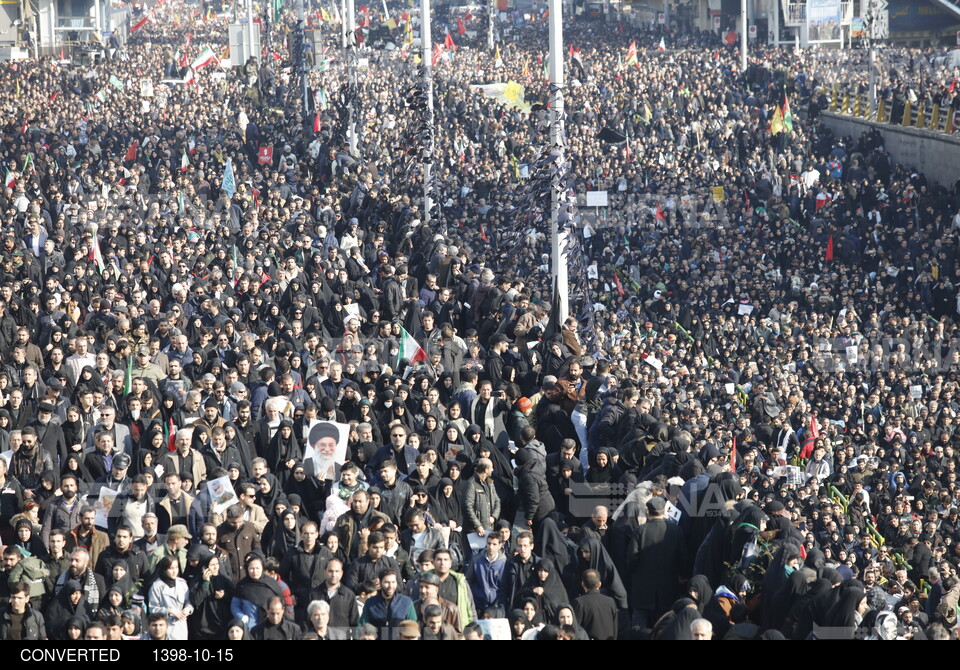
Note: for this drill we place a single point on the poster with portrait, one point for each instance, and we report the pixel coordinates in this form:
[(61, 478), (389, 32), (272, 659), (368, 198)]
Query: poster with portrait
[(222, 494), (102, 505), (327, 448)]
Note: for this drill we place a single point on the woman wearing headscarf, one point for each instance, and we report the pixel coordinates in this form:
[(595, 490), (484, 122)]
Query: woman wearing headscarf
[(398, 415), (745, 528), (74, 465), (254, 592), (210, 593), (562, 552), (531, 611), (445, 502), (789, 595), (170, 595), (28, 539), (545, 588), (699, 591), (726, 607), (70, 602), (451, 443), (285, 535), (90, 378), (603, 470), (431, 434), (270, 491), (785, 562), (283, 452), (169, 406), (567, 617), (519, 624), (594, 556), (73, 429), (799, 620), (846, 616), (675, 624)]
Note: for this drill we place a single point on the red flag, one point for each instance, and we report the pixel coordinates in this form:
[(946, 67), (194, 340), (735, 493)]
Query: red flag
[(171, 440), (660, 215), (265, 156), (731, 38), (953, 84), (503, 5), (139, 24), (468, 16), (437, 53), (616, 280), (131, 152), (448, 42), (733, 455), (316, 123), (461, 29), (811, 437), (53, 98), (829, 255)]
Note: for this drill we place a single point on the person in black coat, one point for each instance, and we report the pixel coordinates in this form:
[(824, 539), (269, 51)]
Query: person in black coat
[(344, 612), (276, 626), (657, 562), (210, 595), (536, 502), (596, 612)]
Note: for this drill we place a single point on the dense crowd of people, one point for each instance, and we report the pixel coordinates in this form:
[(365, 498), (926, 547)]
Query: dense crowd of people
[(746, 427)]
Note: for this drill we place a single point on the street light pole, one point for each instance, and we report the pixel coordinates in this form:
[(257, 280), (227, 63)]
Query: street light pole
[(743, 36), (250, 30), (493, 11), (426, 43), (558, 143), (351, 33), (870, 19)]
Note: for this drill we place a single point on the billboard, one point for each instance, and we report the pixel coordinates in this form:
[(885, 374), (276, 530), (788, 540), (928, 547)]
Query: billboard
[(823, 20)]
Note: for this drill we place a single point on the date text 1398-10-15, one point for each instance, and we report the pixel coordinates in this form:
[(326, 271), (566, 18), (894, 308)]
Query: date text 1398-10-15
[(199, 654)]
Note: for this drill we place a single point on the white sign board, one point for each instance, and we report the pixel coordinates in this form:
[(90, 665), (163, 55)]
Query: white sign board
[(596, 198)]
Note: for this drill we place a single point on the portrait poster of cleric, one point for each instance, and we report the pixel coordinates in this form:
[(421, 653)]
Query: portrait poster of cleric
[(327, 448)]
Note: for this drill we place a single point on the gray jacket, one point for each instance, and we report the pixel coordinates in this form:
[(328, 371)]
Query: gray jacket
[(480, 503)]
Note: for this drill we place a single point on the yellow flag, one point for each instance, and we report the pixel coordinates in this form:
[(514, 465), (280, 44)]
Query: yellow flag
[(776, 125), (496, 53), (391, 24)]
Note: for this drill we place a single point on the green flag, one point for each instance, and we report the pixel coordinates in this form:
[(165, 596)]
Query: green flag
[(128, 376)]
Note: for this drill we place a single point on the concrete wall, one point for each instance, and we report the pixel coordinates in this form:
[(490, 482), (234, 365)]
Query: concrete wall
[(935, 154)]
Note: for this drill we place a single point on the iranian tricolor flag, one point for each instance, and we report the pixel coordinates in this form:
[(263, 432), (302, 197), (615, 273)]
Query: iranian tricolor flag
[(205, 58), (95, 254), (409, 348), (9, 180), (184, 162)]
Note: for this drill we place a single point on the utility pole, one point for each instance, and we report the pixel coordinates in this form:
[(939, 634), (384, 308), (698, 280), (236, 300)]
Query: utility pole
[(743, 36), (493, 12), (352, 76), (301, 65), (250, 31), (870, 21), (426, 43), (558, 144)]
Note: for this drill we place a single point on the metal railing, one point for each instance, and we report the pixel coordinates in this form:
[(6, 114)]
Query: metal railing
[(922, 114), (75, 23)]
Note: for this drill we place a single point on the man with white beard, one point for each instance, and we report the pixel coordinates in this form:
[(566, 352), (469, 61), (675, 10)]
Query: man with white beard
[(49, 434)]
